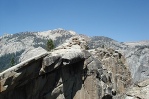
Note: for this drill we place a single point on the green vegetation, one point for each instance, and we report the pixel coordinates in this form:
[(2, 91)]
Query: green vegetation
[(12, 61), (6, 61), (50, 45), (86, 47), (102, 46)]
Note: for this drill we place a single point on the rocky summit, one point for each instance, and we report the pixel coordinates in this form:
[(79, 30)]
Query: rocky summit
[(79, 67)]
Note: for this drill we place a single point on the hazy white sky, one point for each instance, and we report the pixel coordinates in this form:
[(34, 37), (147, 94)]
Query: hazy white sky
[(122, 20)]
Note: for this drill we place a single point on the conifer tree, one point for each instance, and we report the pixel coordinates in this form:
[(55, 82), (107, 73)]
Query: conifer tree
[(50, 45), (12, 61)]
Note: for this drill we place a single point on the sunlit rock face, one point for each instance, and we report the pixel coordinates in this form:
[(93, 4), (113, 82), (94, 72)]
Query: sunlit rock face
[(16, 45), (81, 68), (138, 91), (137, 59), (114, 63), (68, 72)]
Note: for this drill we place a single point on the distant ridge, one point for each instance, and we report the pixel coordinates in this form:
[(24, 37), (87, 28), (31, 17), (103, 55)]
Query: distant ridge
[(136, 53)]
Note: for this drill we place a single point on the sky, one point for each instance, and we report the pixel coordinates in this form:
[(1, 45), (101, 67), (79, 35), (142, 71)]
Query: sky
[(122, 20)]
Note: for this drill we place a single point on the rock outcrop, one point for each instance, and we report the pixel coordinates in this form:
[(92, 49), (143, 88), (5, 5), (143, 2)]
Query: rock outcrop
[(114, 63), (30, 53), (16, 44), (139, 91), (137, 58), (99, 68), (68, 72)]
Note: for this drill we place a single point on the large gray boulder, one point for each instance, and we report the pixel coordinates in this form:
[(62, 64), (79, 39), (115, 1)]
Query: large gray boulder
[(30, 53)]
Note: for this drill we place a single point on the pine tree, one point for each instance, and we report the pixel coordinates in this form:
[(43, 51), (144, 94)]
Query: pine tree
[(12, 61), (50, 45)]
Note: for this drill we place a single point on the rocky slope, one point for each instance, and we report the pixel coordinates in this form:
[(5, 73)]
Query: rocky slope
[(138, 91), (120, 65), (115, 63), (14, 45), (137, 58), (68, 72), (99, 41), (136, 53)]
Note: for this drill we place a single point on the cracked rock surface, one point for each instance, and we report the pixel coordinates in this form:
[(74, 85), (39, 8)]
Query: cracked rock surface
[(68, 72)]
